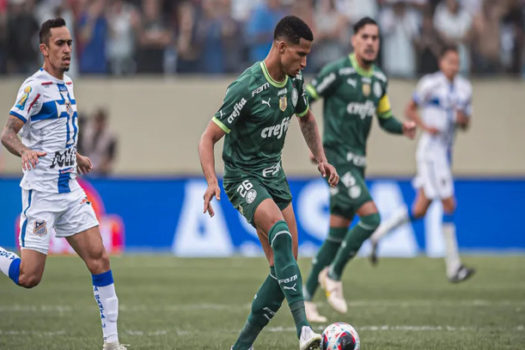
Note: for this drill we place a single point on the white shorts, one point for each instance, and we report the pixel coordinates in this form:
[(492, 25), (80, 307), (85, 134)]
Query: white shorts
[(43, 213), (434, 176)]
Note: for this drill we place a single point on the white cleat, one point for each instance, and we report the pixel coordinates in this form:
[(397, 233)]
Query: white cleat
[(334, 292), (309, 340), (312, 314), (114, 346)]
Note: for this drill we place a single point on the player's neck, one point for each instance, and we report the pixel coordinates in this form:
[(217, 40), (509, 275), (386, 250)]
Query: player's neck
[(362, 64), (59, 74), (274, 68)]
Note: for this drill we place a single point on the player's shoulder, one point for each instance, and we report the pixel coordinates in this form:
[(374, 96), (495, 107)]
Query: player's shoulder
[(33, 81), (463, 83), (340, 66), (379, 74), (68, 80), (431, 79)]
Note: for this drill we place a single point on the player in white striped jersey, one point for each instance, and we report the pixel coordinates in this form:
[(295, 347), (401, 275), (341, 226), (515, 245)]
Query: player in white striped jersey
[(45, 115), (445, 101)]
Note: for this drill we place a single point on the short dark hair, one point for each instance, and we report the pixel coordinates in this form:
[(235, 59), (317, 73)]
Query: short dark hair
[(363, 22), (446, 48), (293, 29), (45, 29)]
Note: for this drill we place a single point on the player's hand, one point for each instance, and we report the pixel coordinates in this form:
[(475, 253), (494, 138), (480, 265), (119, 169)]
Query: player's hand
[(213, 190), (327, 169), (409, 129), (430, 129), (30, 158), (84, 164)]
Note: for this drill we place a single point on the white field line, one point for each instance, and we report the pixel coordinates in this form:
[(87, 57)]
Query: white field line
[(215, 306)]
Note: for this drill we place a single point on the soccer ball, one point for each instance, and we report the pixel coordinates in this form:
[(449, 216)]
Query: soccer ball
[(340, 336)]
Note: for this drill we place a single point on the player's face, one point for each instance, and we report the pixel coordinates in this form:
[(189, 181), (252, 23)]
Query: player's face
[(293, 56), (449, 64), (366, 43), (58, 50)]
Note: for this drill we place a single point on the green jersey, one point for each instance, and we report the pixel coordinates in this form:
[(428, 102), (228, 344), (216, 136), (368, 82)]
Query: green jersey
[(255, 115), (352, 96)]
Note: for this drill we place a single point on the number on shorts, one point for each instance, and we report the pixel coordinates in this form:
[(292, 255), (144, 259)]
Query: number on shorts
[(244, 187)]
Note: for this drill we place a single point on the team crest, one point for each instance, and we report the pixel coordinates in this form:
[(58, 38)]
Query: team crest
[(366, 89), (250, 196), (40, 228), (21, 104), (283, 103)]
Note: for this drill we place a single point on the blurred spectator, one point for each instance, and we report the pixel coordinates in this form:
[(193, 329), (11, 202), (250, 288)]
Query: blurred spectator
[(123, 21), (260, 28), (512, 40), (3, 35), (399, 26), (187, 51), (453, 24), (242, 9), (99, 144), (22, 37), (92, 35), (486, 41), (354, 10), (154, 37), (232, 46), (209, 38), (428, 46), (331, 40)]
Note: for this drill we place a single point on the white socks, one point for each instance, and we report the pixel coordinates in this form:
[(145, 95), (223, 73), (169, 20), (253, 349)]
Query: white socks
[(452, 259), (398, 218)]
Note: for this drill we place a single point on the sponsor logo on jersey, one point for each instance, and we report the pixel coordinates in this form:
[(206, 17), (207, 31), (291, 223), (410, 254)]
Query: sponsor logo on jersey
[(295, 97), (40, 228), (237, 108), (364, 110), (288, 280), (378, 90), (62, 88), (277, 130), (366, 89), (330, 78), (66, 158), (346, 71), (272, 170), (266, 102), (283, 103), (21, 104), (260, 89)]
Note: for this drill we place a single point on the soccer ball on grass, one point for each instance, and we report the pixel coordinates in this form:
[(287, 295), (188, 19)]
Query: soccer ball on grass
[(340, 336)]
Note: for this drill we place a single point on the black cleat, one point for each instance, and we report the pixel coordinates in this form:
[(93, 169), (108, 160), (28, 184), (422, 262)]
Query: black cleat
[(462, 274), (373, 254)]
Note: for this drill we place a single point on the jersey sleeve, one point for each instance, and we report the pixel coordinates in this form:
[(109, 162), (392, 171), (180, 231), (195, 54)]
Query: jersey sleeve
[(234, 106), (384, 110), (324, 83), (423, 91), (302, 106), (28, 101)]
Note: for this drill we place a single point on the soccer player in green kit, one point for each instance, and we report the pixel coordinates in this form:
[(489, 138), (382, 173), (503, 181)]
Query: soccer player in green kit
[(354, 90), (254, 116)]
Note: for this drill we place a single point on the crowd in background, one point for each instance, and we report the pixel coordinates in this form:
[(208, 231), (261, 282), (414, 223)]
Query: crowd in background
[(123, 37)]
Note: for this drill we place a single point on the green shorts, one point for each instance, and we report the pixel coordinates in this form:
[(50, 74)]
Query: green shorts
[(351, 191), (248, 191)]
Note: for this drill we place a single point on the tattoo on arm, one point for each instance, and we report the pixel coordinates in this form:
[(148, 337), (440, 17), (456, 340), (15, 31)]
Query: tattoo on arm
[(10, 139), (311, 136)]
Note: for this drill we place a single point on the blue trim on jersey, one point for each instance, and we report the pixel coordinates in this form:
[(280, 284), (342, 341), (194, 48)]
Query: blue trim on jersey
[(14, 270), (14, 114), (435, 103), (24, 226), (48, 111), (102, 279), (63, 183)]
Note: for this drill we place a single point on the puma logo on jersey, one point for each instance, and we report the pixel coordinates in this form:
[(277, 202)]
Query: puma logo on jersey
[(266, 102), (352, 82)]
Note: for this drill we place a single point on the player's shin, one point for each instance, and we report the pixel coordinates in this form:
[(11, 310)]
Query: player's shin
[(287, 272), (452, 259), (324, 257), (351, 244), (398, 218), (106, 298), (10, 264), (265, 304)]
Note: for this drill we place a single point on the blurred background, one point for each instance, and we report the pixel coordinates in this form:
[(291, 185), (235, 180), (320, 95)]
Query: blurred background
[(150, 74)]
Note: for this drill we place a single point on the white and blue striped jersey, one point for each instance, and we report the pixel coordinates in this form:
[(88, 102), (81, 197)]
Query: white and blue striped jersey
[(48, 108), (439, 100)]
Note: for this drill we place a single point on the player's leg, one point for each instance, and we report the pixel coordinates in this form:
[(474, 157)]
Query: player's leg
[(79, 226), (456, 271), (25, 271)]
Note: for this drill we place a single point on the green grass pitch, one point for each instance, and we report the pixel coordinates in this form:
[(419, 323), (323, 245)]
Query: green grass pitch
[(173, 303)]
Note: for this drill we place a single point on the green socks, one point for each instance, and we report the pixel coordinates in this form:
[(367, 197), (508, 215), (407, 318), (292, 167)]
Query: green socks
[(287, 272), (352, 242), (265, 304), (324, 257)]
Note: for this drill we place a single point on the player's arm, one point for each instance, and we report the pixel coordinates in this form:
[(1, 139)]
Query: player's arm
[(391, 124), (209, 138), (84, 164), (412, 113), (313, 140), (462, 120), (12, 142)]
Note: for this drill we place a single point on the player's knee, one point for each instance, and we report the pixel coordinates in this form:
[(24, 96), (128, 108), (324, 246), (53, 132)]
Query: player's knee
[(371, 221), (29, 281), (98, 263)]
